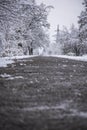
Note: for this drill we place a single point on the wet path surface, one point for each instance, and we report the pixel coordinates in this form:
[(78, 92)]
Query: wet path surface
[(43, 93)]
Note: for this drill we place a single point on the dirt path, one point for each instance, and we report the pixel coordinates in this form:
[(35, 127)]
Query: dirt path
[(43, 93)]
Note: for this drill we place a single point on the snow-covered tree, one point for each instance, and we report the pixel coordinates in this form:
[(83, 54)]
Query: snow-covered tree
[(26, 31), (65, 40), (32, 27), (55, 48), (83, 23), (83, 27), (75, 44), (69, 40), (58, 42), (7, 10)]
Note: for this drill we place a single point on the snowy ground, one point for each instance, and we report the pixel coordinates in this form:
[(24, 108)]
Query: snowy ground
[(43, 93), (9, 60), (4, 61), (80, 58)]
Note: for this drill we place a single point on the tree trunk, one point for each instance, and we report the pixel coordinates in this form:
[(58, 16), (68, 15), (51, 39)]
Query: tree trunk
[(30, 49)]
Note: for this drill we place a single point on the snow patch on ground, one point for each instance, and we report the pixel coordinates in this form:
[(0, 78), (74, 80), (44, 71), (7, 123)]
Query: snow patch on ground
[(65, 106), (9, 77), (5, 75), (75, 112), (16, 77), (62, 106), (64, 66), (31, 82), (22, 57), (22, 64), (79, 58), (4, 61), (41, 108)]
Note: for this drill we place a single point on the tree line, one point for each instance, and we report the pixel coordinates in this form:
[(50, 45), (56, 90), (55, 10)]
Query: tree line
[(24, 30), (74, 40)]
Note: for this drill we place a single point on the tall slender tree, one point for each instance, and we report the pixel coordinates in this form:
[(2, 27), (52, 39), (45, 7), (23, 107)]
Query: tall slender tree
[(83, 27), (83, 23)]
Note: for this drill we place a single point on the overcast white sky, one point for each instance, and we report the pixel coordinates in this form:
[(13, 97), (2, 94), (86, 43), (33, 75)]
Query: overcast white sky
[(65, 12)]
